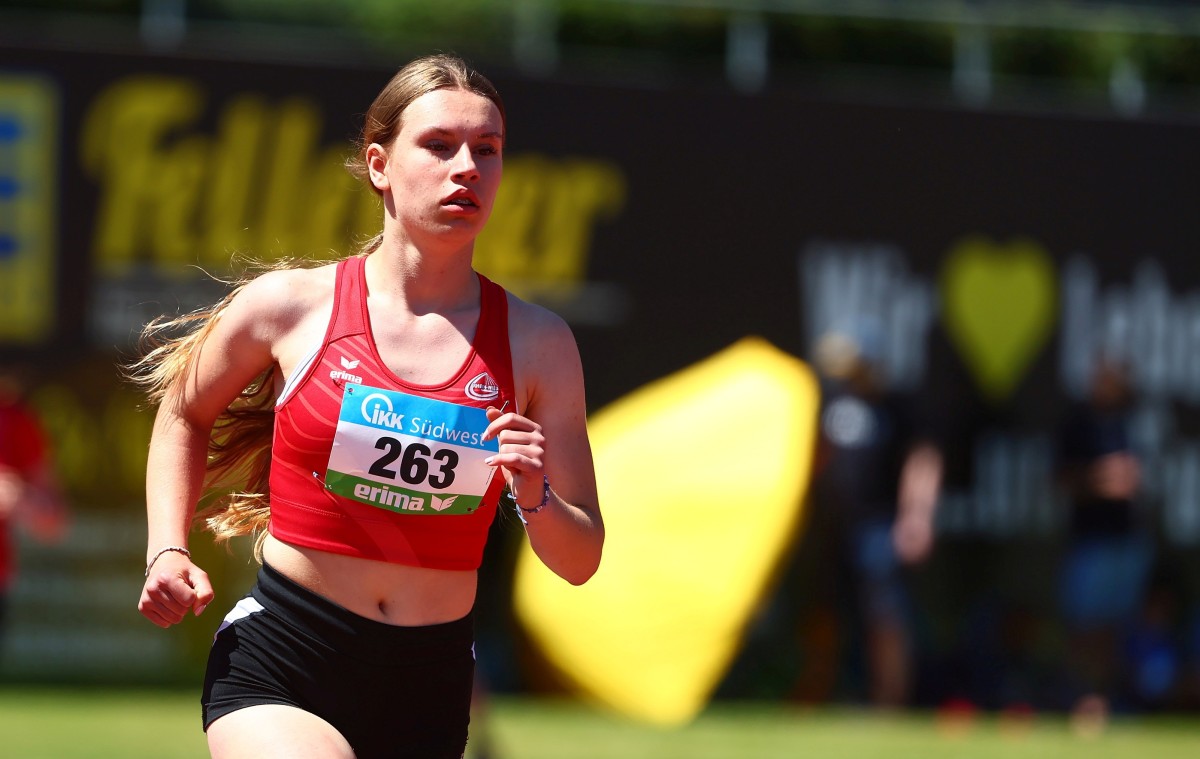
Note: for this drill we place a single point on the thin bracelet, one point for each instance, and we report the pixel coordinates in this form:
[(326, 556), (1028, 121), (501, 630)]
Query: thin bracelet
[(177, 549), (522, 511)]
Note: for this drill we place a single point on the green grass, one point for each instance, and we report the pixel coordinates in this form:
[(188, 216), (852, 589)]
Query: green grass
[(52, 723), (531, 730), (49, 723)]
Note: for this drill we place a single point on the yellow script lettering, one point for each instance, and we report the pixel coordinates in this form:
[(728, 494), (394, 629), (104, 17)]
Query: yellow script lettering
[(541, 230), (260, 184)]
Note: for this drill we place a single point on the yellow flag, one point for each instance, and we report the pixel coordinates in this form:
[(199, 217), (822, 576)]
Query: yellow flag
[(702, 477)]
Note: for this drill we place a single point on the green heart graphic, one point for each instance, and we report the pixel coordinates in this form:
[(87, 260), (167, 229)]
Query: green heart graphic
[(998, 305)]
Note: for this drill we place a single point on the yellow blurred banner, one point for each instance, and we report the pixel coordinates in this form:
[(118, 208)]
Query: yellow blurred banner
[(29, 127), (702, 477)]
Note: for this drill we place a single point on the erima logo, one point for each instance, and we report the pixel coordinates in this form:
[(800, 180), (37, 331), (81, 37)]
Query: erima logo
[(441, 504), (482, 387), (385, 496), (345, 375), (377, 409), (398, 501)]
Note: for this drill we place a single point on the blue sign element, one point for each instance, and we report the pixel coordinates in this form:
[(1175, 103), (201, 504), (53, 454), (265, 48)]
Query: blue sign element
[(415, 416)]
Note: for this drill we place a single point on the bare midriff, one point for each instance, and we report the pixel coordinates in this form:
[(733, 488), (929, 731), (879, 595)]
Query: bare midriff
[(395, 594)]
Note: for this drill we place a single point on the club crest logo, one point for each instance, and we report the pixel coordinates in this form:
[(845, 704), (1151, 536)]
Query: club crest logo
[(482, 387)]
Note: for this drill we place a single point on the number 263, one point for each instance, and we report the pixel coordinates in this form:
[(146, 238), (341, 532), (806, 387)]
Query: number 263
[(416, 462)]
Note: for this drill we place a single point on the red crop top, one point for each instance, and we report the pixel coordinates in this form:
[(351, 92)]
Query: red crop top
[(366, 464)]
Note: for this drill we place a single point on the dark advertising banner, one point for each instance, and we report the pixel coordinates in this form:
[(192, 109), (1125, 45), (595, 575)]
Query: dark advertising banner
[(997, 255)]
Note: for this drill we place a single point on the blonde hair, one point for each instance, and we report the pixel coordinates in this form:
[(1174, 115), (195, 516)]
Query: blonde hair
[(239, 450)]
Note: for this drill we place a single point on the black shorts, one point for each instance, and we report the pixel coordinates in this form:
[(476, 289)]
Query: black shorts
[(391, 691)]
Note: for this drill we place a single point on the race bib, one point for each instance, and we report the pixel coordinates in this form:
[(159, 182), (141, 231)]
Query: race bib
[(409, 454)]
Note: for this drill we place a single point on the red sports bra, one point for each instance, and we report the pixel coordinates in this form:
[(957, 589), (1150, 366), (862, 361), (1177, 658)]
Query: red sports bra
[(366, 464)]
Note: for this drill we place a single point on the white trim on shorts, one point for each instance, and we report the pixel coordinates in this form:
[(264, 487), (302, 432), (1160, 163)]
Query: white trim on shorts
[(242, 609)]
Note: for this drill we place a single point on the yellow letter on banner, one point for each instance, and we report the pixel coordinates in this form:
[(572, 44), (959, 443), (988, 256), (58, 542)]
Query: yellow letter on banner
[(123, 146), (540, 232)]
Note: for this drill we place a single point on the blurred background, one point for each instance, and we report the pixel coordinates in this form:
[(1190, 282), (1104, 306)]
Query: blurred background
[(978, 223)]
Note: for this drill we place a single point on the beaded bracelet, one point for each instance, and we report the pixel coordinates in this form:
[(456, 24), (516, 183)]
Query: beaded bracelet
[(522, 511), (177, 549)]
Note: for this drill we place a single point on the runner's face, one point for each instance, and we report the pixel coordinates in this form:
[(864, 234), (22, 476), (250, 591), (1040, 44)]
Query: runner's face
[(443, 169)]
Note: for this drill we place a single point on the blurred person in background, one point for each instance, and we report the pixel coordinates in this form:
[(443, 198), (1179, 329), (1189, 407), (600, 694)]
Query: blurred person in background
[(1109, 552), (877, 481), (30, 499), (357, 639)]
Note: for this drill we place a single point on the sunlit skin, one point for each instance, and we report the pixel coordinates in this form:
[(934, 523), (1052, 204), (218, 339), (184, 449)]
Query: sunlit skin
[(439, 177)]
